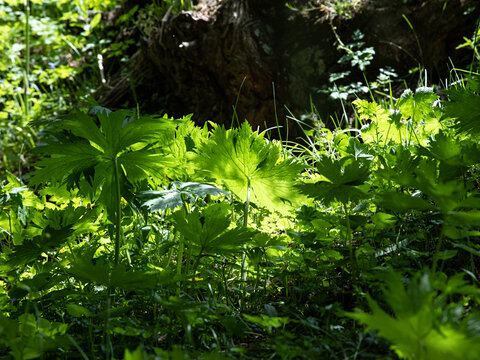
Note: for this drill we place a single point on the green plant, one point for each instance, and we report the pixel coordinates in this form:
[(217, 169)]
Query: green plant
[(343, 181), (104, 161), (425, 324), (40, 65), (252, 168), (223, 243)]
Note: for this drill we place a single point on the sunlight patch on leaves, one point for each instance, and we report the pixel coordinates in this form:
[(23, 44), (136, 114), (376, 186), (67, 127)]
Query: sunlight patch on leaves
[(239, 158)]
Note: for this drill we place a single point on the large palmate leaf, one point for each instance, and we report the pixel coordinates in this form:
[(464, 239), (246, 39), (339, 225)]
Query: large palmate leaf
[(401, 202), (91, 154), (207, 231), (342, 180), (463, 106), (418, 106), (100, 272), (241, 159), (31, 249), (187, 138), (454, 155), (452, 150), (420, 328)]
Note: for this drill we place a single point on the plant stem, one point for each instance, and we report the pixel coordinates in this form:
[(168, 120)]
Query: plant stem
[(243, 272), (107, 340), (349, 238), (437, 252), (118, 210), (195, 266), (225, 285), (245, 224), (27, 59), (179, 263)]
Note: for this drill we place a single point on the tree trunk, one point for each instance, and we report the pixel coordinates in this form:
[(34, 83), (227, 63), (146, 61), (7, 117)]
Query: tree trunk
[(261, 61)]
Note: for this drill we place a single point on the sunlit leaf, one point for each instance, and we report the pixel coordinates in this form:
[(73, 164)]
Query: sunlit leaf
[(172, 198), (239, 159), (417, 106)]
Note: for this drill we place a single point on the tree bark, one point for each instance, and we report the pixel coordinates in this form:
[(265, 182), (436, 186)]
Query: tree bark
[(258, 60)]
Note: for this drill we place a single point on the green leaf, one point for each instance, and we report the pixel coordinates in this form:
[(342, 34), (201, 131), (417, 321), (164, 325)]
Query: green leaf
[(452, 151), (384, 126), (239, 159), (418, 329), (99, 271), (78, 311), (358, 150), (30, 250), (266, 321), (123, 137), (401, 202), (383, 220), (463, 106), (463, 218), (173, 198), (95, 21), (137, 354), (417, 106), (96, 271), (131, 280), (207, 231), (343, 177)]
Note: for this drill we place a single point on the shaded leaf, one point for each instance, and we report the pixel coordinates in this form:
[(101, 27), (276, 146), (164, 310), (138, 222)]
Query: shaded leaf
[(207, 231), (463, 106)]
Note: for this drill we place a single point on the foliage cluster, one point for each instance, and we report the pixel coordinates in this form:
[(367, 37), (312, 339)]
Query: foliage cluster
[(147, 237), (51, 55)]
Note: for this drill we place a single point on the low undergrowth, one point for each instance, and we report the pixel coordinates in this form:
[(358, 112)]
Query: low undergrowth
[(126, 236), (142, 237)]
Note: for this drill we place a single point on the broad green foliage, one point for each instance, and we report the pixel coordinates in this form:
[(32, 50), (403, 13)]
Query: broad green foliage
[(144, 237), (342, 180), (188, 264), (463, 107), (30, 337), (400, 193), (418, 106), (244, 161), (414, 118), (383, 126), (207, 232), (425, 325), (130, 142)]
